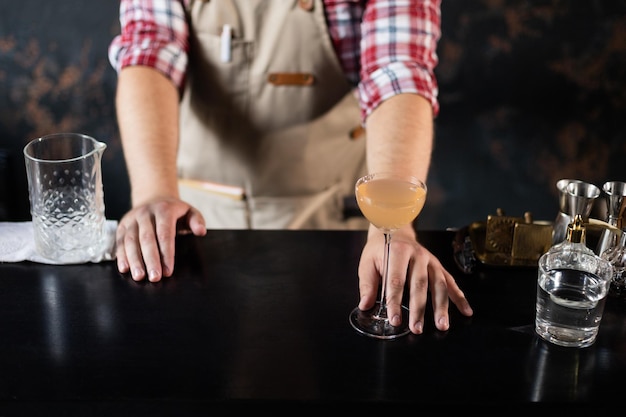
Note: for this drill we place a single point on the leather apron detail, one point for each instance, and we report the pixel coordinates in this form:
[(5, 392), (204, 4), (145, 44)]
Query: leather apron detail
[(274, 121), (291, 79)]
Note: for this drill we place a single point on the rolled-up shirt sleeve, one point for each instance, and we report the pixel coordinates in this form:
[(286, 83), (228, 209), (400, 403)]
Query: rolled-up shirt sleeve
[(399, 51), (154, 33)]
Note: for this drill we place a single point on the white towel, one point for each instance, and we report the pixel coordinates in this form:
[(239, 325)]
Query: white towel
[(17, 243)]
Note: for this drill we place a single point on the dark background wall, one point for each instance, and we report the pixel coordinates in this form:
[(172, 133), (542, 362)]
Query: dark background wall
[(531, 92), (55, 77)]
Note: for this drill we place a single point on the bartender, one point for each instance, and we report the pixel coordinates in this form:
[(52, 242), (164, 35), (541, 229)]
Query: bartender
[(262, 114)]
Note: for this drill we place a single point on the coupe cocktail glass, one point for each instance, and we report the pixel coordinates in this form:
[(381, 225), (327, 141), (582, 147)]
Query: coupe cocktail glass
[(389, 202)]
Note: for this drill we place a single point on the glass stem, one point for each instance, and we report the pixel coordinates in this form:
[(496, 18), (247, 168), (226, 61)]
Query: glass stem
[(382, 311)]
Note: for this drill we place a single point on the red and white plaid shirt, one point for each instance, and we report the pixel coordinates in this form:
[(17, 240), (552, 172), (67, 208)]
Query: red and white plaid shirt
[(386, 47)]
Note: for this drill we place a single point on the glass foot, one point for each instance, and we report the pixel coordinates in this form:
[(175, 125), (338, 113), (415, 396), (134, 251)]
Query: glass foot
[(372, 324)]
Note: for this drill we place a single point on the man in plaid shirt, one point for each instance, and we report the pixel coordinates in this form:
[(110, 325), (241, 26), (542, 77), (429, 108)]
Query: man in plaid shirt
[(262, 114)]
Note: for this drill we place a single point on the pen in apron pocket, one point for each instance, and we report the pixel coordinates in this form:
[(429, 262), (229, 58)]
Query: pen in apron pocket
[(225, 43)]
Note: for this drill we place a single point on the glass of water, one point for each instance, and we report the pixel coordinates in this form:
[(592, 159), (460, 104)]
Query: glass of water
[(572, 287)]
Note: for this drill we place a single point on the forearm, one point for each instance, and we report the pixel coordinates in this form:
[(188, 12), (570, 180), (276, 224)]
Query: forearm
[(400, 137), (147, 112)]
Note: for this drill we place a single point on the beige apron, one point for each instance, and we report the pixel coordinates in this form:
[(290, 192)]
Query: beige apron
[(266, 118)]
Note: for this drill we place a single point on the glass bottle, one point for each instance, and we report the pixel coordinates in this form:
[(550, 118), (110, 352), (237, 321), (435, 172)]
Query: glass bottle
[(566, 254), (575, 240)]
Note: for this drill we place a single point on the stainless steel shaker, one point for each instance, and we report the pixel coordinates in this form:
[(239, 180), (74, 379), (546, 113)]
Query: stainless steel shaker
[(615, 195), (575, 197)]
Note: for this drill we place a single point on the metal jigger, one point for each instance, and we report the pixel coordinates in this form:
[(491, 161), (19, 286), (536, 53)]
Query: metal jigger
[(615, 194), (575, 197)]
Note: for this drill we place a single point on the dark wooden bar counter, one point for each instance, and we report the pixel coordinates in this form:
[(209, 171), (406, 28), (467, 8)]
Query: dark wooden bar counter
[(260, 319)]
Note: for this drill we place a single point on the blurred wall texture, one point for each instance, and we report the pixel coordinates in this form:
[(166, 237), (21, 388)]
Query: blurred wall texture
[(531, 92)]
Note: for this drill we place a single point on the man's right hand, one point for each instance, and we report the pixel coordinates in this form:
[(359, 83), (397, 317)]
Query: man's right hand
[(145, 238)]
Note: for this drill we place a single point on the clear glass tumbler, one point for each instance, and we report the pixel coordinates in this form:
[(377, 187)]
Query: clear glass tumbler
[(572, 288)]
